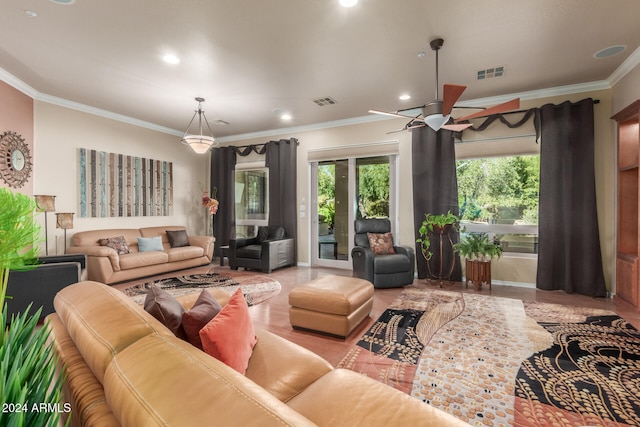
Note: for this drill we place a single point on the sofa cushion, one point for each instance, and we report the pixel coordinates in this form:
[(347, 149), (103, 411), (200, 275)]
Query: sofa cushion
[(103, 321), (164, 307), (163, 381), (230, 336), (249, 251), (142, 259), (148, 244), (118, 243), (184, 252), (178, 238), (391, 263), (343, 391), (381, 243), (204, 309)]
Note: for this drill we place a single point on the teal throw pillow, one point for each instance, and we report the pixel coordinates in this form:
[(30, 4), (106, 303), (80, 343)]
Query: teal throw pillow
[(146, 244)]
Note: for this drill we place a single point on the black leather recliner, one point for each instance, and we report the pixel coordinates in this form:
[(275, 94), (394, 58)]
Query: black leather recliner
[(268, 250), (386, 270)]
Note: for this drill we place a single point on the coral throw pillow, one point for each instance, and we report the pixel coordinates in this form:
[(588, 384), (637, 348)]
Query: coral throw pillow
[(230, 336), (204, 309), (381, 243)]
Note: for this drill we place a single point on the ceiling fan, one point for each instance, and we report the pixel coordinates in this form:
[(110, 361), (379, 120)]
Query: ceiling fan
[(437, 113)]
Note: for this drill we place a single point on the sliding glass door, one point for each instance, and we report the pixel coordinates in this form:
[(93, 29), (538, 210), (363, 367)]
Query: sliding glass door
[(343, 190)]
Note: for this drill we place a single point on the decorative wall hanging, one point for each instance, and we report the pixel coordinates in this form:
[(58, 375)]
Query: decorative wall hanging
[(15, 165), (116, 185)]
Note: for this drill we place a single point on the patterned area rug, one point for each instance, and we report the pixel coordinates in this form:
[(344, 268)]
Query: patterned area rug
[(255, 287), (501, 362)]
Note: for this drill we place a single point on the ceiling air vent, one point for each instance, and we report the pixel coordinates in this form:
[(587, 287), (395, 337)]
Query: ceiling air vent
[(327, 100), (490, 73)]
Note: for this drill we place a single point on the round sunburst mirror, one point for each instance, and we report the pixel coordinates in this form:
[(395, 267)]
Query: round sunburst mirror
[(15, 165)]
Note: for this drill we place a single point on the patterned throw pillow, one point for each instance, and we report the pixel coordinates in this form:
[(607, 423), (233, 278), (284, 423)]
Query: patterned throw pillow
[(381, 243), (118, 243)]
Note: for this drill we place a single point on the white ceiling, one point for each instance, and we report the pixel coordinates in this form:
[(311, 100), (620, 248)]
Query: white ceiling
[(249, 58)]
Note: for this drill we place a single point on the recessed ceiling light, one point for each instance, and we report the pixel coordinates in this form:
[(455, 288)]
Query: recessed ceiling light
[(404, 97), (31, 13), (348, 3), (609, 51), (286, 117), (171, 59), (65, 2)]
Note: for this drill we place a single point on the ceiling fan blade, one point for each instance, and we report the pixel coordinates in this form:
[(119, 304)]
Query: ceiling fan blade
[(450, 95), (500, 108), (457, 127), (385, 113)]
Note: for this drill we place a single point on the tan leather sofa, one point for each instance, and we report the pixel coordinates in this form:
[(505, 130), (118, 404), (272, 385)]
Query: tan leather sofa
[(106, 266), (124, 368)]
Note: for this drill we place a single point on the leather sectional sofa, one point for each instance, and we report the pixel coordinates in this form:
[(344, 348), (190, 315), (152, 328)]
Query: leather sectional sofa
[(124, 368), (106, 265)]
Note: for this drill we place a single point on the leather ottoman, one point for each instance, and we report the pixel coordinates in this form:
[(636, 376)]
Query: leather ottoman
[(333, 305)]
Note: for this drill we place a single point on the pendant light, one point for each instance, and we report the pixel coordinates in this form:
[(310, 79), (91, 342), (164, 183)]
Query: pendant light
[(200, 143)]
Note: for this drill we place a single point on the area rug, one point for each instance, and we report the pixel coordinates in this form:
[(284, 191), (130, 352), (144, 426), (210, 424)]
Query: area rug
[(500, 362), (255, 287)]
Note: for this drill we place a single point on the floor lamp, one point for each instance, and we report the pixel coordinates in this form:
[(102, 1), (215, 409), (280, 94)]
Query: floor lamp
[(64, 220), (46, 204)]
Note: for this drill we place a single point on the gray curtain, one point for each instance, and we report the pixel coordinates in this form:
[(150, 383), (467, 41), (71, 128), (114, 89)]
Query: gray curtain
[(223, 164), (282, 163), (569, 257), (435, 191)]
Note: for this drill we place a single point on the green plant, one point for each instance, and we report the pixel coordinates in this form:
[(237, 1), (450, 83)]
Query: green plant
[(427, 229), (477, 246), (30, 388)]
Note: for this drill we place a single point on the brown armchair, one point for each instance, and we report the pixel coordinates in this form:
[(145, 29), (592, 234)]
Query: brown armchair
[(268, 250)]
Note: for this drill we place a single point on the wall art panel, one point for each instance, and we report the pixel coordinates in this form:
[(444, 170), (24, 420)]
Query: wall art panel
[(117, 185)]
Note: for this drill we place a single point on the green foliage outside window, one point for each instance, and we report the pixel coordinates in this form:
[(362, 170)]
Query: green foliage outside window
[(499, 190)]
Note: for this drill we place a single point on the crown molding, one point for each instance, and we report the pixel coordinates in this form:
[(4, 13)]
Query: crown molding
[(106, 114), (625, 68), (629, 64)]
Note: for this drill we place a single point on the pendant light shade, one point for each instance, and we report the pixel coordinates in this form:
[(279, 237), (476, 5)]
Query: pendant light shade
[(200, 142)]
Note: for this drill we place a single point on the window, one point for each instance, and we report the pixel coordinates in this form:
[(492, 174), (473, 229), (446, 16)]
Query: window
[(499, 196), (252, 200)]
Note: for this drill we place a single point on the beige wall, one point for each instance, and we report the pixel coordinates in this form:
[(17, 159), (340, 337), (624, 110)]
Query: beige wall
[(16, 115), (626, 91), (60, 131), (510, 269)]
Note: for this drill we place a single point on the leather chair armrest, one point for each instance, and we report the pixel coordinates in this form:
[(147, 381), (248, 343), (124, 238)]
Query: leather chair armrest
[(362, 263), (205, 242), (410, 253), (283, 368), (277, 253), (406, 250)]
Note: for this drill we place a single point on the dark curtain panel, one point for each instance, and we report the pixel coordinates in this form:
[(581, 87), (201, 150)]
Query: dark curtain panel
[(223, 164), (282, 163), (435, 190), (569, 257)]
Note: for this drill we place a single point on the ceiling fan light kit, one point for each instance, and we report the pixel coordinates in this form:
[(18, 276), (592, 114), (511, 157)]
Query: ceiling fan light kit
[(437, 113), (199, 143)]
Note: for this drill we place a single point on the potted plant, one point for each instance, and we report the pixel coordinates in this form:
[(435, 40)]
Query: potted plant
[(439, 226), (28, 366), (478, 252)]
